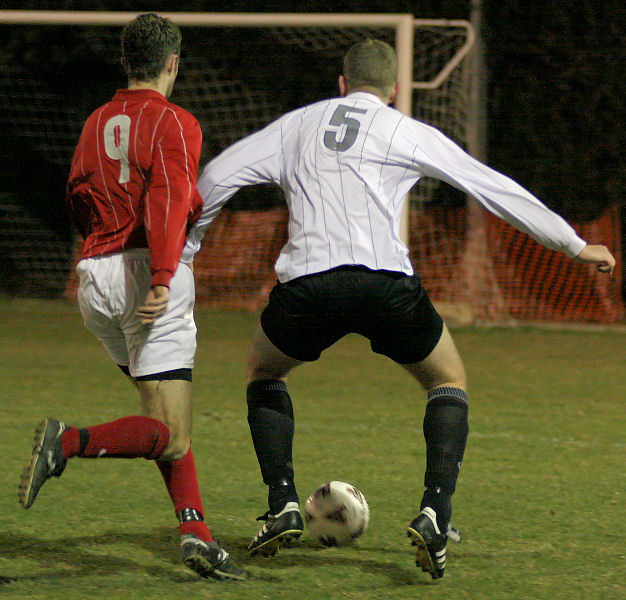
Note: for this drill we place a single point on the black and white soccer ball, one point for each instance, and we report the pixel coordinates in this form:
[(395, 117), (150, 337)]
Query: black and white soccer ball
[(336, 513)]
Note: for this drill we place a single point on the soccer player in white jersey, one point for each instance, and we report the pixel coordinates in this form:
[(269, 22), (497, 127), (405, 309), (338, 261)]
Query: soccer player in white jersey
[(346, 165), (132, 195)]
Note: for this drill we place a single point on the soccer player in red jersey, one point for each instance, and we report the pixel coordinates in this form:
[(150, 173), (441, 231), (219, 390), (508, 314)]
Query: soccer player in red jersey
[(132, 196)]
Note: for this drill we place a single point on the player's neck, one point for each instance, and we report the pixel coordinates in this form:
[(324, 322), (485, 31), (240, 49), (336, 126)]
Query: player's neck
[(372, 91), (158, 85), (368, 90)]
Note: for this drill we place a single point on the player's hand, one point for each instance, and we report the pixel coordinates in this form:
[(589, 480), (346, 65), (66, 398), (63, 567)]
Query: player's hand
[(154, 305), (598, 255)]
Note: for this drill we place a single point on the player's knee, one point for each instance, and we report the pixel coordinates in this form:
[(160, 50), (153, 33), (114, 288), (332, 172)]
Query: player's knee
[(456, 378), (177, 448), (259, 369), (443, 369), (178, 443), (258, 373), (158, 436), (432, 374), (449, 378)]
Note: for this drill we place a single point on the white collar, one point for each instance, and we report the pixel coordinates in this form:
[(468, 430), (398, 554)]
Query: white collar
[(365, 96)]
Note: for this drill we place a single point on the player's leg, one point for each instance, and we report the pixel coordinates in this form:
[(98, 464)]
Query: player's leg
[(442, 376), (170, 401), (411, 332), (162, 434), (167, 397), (291, 332), (271, 421), (445, 426), (56, 442)]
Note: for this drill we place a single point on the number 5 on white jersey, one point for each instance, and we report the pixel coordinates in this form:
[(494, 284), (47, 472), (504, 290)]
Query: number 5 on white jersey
[(116, 140)]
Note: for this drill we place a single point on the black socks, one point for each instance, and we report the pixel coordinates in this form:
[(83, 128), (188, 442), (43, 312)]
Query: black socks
[(271, 421), (270, 417), (441, 503), (445, 431), (281, 492)]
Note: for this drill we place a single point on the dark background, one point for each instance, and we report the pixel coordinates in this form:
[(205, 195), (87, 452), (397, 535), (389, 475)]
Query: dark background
[(555, 86)]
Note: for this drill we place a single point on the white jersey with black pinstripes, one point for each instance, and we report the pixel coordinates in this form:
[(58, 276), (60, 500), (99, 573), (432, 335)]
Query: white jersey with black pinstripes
[(346, 166)]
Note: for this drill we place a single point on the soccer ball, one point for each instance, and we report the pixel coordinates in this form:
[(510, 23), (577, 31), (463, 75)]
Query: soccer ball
[(336, 513)]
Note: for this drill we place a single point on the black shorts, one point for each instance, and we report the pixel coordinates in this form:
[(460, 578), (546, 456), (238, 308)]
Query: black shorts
[(309, 314)]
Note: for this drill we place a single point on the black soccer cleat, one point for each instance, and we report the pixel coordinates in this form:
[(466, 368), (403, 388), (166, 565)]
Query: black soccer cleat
[(47, 460), (430, 542), (209, 559), (278, 531)]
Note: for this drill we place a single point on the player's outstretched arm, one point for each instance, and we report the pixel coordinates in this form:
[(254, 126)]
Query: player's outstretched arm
[(599, 255)]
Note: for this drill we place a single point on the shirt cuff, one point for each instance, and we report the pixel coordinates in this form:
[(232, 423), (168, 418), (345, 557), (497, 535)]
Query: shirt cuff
[(574, 247), (161, 277)]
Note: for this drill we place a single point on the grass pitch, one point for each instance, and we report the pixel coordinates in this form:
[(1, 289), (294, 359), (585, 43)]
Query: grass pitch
[(540, 500)]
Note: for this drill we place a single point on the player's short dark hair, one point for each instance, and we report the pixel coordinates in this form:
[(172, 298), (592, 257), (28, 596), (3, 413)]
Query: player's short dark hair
[(147, 41), (372, 64)]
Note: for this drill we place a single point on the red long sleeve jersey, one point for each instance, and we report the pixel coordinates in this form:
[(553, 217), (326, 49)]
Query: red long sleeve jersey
[(132, 183)]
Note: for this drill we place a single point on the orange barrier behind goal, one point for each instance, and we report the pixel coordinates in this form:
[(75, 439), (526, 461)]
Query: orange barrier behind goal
[(512, 279)]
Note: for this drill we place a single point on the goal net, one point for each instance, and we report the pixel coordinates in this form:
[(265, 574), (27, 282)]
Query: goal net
[(239, 72)]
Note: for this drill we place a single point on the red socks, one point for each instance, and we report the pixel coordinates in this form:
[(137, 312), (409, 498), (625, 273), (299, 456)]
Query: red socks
[(129, 437), (181, 482), (144, 437)]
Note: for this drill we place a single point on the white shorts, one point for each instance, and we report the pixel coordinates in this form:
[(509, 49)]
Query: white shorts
[(112, 288)]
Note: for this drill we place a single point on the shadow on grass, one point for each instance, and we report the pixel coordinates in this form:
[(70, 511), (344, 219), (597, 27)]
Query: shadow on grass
[(112, 553), (310, 554), (88, 555)]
